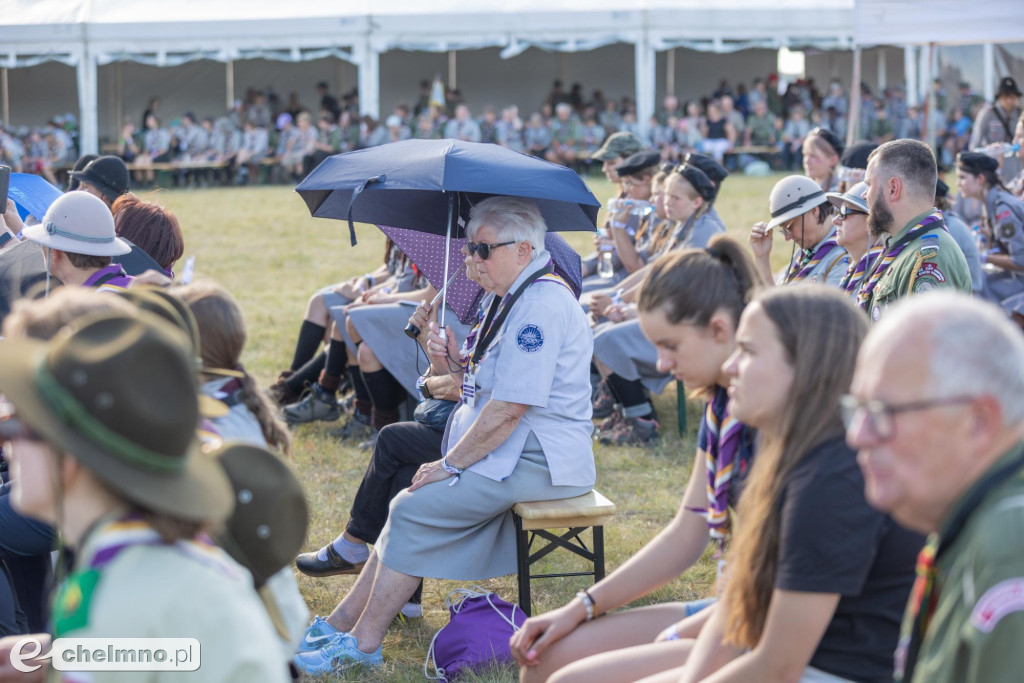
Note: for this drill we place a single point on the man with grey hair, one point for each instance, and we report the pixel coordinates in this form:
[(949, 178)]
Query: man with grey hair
[(919, 253), (937, 415)]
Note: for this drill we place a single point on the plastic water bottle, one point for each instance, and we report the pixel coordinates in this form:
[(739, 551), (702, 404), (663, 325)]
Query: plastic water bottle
[(617, 297), (999, 149), (605, 263), (979, 239)]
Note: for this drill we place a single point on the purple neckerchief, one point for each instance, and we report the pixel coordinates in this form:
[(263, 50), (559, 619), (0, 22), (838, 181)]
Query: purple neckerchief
[(724, 432), (112, 276), (802, 268), (882, 263), (851, 282)]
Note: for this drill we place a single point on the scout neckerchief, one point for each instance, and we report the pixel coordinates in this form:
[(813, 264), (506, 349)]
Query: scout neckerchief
[(855, 274), (724, 436), (71, 608), (882, 263), (924, 597), (800, 268)]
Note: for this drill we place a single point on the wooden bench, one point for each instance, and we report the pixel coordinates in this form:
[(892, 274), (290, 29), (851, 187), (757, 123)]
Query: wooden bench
[(576, 515)]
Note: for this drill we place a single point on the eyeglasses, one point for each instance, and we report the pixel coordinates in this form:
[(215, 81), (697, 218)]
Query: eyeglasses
[(483, 249), (845, 212), (880, 417)]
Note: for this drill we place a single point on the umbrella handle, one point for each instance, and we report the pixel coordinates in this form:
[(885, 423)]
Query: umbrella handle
[(351, 202)]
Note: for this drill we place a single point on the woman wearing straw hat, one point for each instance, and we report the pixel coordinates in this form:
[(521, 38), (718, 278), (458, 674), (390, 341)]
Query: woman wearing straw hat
[(116, 468)]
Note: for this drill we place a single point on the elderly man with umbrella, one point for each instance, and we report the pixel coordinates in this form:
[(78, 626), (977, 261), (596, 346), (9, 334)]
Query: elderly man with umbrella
[(508, 440)]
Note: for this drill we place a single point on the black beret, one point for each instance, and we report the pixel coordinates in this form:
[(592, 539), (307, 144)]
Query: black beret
[(975, 162), (712, 169), (857, 155), (830, 138), (699, 180), (941, 188), (638, 162)]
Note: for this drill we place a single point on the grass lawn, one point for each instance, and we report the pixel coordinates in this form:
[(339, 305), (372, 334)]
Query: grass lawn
[(263, 246)]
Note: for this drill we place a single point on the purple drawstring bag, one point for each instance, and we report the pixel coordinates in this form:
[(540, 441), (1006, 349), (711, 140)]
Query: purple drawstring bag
[(476, 636)]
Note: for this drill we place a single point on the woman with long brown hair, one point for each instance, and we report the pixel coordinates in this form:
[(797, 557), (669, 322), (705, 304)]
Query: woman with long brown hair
[(689, 305), (222, 337), (817, 579)]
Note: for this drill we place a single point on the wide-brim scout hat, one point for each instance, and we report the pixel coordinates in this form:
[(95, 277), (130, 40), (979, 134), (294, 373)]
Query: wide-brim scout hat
[(1007, 86), (109, 174), (976, 162), (78, 223), (267, 528), (618, 146), (635, 163), (705, 189), (855, 197), (119, 394), (171, 308), (712, 169), (793, 196)]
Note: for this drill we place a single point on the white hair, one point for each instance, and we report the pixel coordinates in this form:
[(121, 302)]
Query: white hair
[(514, 219), (974, 348)]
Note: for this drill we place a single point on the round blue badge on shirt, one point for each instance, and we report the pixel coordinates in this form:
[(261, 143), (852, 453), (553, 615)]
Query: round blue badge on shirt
[(530, 338)]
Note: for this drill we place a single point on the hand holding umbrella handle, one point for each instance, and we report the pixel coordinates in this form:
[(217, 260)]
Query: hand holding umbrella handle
[(412, 330)]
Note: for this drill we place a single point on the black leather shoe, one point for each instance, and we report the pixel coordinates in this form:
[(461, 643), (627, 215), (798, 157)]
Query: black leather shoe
[(310, 565)]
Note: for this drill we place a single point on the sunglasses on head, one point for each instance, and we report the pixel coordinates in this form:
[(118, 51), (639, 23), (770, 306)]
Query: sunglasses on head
[(483, 249), (844, 212)]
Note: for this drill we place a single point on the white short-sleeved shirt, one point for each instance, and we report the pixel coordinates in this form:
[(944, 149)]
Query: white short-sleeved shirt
[(540, 358)]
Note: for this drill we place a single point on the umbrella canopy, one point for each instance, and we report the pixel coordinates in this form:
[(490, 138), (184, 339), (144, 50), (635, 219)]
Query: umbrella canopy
[(426, 251), (418, 184)]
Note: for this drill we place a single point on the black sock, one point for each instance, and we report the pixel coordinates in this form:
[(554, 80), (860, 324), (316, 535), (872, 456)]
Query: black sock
[(307, 374), (627, 392), (417, 597), (355, 375), (385, 391), (337, 358), (310, 336)]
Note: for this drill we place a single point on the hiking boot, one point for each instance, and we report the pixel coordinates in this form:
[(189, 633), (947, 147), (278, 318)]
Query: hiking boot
[(631, 431), (604, 402), (611, 422), (358, 427), (280, 393), (316, 405)]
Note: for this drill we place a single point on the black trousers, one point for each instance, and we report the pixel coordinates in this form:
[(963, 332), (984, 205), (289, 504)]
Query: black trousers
[(401, 449)]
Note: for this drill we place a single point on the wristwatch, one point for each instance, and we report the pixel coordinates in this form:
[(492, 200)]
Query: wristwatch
[(421, 386)]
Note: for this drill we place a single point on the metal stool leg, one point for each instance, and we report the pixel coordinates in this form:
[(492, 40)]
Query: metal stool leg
[(598, 553), (522, 563)]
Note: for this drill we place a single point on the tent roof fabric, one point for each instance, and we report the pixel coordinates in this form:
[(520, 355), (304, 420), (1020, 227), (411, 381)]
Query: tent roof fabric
[(919, 22), (230, 29)]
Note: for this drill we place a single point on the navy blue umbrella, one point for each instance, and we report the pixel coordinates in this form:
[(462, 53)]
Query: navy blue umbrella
[(431, 185)]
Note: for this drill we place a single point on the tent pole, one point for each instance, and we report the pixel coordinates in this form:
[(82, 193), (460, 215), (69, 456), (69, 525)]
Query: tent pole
[(989, 65), (452, 75), (229, 70), (914, 88), (853, 124), (927, 130), (670, 72), (368, 60), (883, 70), (5, 98), (645, 78), (118, 97)]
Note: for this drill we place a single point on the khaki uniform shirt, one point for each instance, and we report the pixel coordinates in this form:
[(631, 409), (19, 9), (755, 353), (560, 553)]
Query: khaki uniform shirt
[(931, 261), (977, 630), (186, 590)]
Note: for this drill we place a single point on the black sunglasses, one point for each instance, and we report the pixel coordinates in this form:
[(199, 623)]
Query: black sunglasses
[(845, 211), (483, 249)]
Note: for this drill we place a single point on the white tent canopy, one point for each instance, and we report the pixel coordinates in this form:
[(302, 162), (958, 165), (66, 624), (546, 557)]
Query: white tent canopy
[(946, 22), (89, 33)]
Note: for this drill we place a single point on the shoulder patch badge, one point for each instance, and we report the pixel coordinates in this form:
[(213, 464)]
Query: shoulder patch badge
[(71, 608), (931, 270), (998, 601), (530, 338), (1007, 230)]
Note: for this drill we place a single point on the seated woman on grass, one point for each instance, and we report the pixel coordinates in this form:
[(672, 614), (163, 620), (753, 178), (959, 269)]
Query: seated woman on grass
[(817, 578), (689, 306)]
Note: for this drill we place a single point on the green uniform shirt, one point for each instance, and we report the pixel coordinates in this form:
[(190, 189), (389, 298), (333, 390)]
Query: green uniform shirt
[(977, 631), (932, 260)]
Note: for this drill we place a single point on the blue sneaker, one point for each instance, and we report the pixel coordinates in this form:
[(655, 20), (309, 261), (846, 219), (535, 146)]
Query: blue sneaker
[(339, 653), (317, 635)]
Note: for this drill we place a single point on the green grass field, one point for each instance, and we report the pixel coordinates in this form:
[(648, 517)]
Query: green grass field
[(264, 247)]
